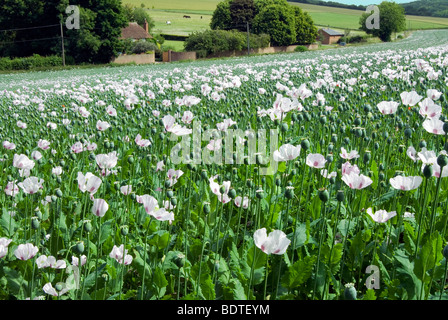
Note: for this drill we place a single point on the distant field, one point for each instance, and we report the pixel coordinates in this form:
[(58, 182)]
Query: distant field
[(338, 18), (348, 18)]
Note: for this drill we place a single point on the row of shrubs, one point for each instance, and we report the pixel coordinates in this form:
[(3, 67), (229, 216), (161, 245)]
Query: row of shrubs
[(29, 63), (354, 39), (213, 41)]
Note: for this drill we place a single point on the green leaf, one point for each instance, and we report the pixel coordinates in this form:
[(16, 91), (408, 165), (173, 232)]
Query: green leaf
[(159, 278), (8, 223), (429, 255), (369, 295), (159, 239), (299, 272), (106, 228), (300, 235), (256, 258)]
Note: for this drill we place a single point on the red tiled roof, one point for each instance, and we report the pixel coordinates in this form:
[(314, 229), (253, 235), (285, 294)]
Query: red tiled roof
[(134, 31)]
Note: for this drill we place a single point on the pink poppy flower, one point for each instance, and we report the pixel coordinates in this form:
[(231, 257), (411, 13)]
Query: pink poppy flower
[(102, 125), (387, 107), (405, 183), (316, 160), (21, 161), (43, 144), (26, 251), (410, 98), (120, 255), (8, 145), (356, 181), (287, 152), (348, 156), (31, 185), (275, 243), (381, 216), (88, 182), (99, 207), (433, 125), (142, 142)]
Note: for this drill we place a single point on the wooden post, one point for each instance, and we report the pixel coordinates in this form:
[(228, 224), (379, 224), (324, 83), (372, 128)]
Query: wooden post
[(62, 43)]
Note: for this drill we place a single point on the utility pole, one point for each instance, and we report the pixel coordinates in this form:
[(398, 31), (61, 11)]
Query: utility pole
[(62, 43)]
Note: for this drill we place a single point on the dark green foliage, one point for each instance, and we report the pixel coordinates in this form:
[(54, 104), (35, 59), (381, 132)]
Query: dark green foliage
[(277, 21), (284, 23), (96, 41), (214, 41), (392, 19)]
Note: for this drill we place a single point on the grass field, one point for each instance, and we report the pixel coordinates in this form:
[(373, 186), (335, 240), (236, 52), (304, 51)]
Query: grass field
[(201, 13)]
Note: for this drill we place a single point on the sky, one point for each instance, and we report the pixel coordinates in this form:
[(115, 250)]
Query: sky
[(367, 2)]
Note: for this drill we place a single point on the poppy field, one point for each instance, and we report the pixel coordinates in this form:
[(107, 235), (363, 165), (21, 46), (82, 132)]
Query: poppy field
[(304, 176)]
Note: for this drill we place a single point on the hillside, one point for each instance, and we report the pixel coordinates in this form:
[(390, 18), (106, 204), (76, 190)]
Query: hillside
[(431, 8)]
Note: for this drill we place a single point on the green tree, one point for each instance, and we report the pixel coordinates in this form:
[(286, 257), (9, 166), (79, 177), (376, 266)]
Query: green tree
[(96, 41), (278, 22), (391, 19), (241, 13), (221, 18), (306, 31)]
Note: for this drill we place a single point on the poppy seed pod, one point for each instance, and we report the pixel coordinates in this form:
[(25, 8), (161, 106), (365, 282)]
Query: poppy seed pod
[(59, 193), (204, 175), (305, 144), (350, 292), (408, 132), (445, 252), (232, 193), (422, 144), (428, 171), (170, 194), (445, 127), (284, 127), (442, 160), (173, 201)]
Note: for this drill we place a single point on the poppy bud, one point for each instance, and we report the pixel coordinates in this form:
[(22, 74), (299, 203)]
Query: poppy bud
[(204, 175), (260, 193), (88, 226), (323, 195), (79, 248), (206, 208), (289, 193), (170, 194), (59, 286), (124, 230), (59, 193), (367, 156), (35, 223), (232, 193), (179, 260), (91, 156)]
